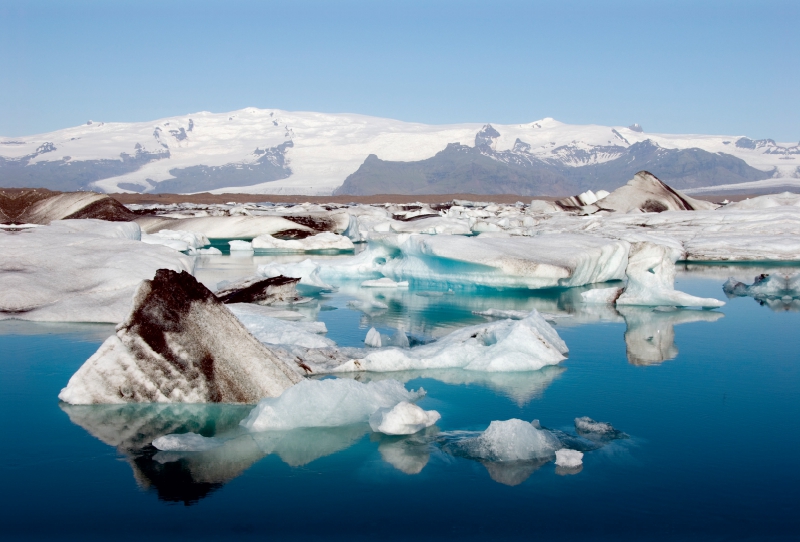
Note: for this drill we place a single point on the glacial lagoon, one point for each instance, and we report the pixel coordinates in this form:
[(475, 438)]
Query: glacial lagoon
[(707, 399)]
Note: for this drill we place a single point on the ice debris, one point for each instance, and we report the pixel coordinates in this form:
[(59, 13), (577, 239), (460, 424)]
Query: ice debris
[(240, 246), (587, 427), (260, 290), (373, 338), (327, 403), (403, 419)]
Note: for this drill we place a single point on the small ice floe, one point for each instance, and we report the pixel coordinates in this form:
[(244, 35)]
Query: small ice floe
[(240, 246), (187, 442), (403, 419), (385, 282), (210, 251), (570, 459), (327, 403)]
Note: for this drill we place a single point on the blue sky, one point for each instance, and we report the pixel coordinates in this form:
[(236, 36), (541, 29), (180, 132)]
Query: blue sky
[(683, 67)]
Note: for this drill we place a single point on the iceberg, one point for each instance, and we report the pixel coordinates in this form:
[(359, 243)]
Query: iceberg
[(648, 194), (570, 459), (260, 290), (78, 270), (327, 403), (544, 261), (501, 346), (651, 279), (318, 242), (240, 246), (402, 419), (373, 338), (510, 440), (179, 344), (307, 271), (226, 227)]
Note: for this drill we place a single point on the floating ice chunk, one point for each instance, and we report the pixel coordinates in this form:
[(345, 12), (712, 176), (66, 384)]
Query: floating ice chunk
[(179, 344), (373, 338), (570, 459), (327, 403), (771, 285), (510, 440), (651, 279), (307, 271), (403, 419), (209, 251), (321, 241), (506, 345), (238, 245), (587, 427), (187, 442), (271, 330), (384, 283), (607, 296)]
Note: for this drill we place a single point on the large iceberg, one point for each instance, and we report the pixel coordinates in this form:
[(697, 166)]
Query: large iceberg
[(179, 344), (327, 403), (648, 194), (78, 270)]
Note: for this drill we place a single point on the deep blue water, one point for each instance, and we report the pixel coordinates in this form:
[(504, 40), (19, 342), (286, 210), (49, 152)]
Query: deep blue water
[(714, 433)]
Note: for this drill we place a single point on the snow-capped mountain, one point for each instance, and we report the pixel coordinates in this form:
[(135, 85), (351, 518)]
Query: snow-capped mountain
[(268, 151)]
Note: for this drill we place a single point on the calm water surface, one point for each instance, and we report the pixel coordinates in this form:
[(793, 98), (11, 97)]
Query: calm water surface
[(710, 403)]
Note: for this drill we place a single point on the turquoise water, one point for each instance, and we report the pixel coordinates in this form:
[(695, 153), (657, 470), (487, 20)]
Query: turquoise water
[(710, 404)]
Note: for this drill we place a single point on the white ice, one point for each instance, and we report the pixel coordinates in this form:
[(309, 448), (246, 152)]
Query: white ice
[(243, 246), (270, 330), (506, 345), (651, 279), (569, 458), (511, 440), (307, 271), (403, 419), (327, 403), (373, 338), (384, 283), (180, 240), (321, 241)]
